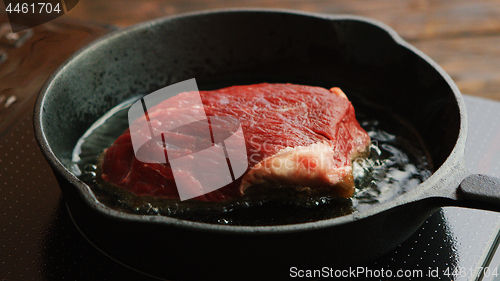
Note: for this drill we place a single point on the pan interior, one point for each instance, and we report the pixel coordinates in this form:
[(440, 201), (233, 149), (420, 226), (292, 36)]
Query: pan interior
[(222, 49), (397, 162)]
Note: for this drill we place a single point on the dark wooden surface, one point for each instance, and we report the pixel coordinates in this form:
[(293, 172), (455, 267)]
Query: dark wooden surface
[(28, 65), (463, 36)]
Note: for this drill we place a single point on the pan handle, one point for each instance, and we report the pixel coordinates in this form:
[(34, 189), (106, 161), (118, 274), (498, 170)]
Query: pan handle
[(481, 192)]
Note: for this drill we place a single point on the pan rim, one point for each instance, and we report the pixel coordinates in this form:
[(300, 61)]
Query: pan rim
[(84, 190)]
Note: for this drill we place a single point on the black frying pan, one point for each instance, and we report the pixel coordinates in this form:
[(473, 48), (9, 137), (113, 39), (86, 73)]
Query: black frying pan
[(224, 47)]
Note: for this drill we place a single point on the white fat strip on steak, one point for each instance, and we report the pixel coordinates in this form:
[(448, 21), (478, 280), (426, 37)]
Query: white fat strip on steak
[(302, 167)]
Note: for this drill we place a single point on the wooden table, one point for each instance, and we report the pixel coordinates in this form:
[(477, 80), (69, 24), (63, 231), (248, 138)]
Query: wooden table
[(462, 36)]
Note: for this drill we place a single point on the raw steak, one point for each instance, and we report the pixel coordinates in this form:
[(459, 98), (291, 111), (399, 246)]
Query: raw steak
[(299, 137)]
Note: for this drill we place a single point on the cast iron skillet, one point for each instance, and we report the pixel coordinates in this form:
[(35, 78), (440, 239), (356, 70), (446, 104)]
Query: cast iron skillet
[(230, 46)]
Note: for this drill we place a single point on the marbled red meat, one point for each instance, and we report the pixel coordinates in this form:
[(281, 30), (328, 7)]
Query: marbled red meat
[(296, 136)]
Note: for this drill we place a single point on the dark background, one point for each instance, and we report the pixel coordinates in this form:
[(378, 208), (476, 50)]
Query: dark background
[(463, 36)]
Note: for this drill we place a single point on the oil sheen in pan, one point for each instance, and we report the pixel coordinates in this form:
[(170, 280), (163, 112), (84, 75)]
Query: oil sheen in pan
[(397, 163)]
